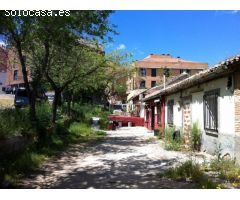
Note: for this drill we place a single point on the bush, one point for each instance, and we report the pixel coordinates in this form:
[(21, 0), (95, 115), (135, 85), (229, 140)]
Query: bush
[(14, 122), (195, 137), (84, 114), (17, 122), (170, 143)]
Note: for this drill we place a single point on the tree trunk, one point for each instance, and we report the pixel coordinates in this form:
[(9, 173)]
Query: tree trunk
[(55, 105), (31, 96), (69, 106)]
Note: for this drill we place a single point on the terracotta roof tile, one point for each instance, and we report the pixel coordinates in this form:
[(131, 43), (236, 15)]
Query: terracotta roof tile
[(162, 61)]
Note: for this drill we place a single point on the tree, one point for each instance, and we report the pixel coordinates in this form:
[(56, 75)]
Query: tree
[(41, 36), (17, 33), (108, 81)]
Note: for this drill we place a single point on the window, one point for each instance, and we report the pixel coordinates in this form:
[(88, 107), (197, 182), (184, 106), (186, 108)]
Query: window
[(142, 72), (153, 83), (142, 84), (15, 75), (170, 112), (154, 72), (210, 110), (188, 71)]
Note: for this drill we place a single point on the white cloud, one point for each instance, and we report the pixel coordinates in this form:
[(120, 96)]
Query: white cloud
[(121, 47), (2, 43)]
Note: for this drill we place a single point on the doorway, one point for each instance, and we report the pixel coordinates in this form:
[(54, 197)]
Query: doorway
[(152, 118)]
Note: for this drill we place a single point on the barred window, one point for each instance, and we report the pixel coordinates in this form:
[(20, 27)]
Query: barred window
[(210, 110), (170, 112)]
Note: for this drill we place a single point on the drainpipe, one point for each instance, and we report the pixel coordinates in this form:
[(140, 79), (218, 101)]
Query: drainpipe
[(164, 81)]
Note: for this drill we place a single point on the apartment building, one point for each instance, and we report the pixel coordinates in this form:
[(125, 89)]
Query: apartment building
[(150, 70), (3, 67), (14, 70)]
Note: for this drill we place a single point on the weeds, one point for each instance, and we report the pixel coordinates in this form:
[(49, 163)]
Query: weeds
[(226, 168), (191, 171), (195, 137), (172, 143)]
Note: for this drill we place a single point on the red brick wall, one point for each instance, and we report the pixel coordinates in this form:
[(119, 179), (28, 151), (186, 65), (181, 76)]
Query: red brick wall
[(14, 64), (3, 59)]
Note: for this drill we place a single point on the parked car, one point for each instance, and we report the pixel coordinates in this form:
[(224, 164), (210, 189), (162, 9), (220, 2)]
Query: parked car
[(21, 97), (8, 90), (117, 109)]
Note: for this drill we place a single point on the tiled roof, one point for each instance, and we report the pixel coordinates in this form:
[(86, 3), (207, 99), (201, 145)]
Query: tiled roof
[(167, 61), (217, 70)]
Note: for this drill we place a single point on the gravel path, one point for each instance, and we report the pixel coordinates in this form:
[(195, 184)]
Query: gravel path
[(129, 158)]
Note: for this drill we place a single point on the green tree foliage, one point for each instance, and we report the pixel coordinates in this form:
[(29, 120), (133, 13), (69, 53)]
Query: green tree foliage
[(51, 42)]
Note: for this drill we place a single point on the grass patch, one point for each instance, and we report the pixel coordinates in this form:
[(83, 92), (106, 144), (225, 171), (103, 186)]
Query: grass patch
[(84, 132), (191, 171)]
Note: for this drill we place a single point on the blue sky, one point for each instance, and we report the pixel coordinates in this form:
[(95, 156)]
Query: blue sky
[(208, 36)]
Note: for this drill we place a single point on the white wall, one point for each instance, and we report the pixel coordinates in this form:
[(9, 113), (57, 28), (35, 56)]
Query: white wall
[(177, 113), (226, 115)]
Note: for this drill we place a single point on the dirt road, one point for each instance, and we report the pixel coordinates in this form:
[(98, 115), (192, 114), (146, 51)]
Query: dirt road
[(129, 158)]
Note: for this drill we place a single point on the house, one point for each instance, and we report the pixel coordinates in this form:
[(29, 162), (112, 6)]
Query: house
[(210, 98), (155, 107), (153, 71), (3, 67)]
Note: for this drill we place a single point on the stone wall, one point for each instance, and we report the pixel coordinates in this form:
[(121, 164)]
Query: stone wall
[(237, 114)]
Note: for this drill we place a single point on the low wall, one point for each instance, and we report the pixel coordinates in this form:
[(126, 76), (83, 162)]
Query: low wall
[(13, 145), (222, 143), (136, 121)]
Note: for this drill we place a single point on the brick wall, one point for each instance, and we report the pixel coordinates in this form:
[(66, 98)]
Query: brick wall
[(159, 78)]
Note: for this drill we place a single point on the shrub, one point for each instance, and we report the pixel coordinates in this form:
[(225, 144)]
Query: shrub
[(84, 113), (29, 161), (170, 142), (14, 122), (195, 137)]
